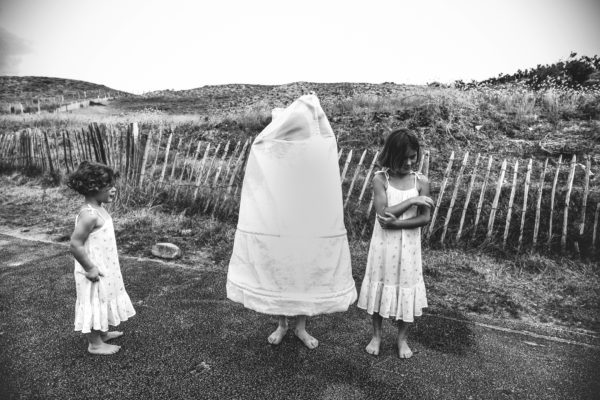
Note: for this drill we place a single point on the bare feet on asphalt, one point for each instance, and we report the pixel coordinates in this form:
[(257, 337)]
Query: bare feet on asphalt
[(103, 349), (403, 350), (308, 340), (110, 335), (277, 336), (373, 346)]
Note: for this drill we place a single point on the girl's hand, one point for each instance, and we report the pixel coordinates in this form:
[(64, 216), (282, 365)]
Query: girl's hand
[(93, 274), (388, 221), (422, 201)]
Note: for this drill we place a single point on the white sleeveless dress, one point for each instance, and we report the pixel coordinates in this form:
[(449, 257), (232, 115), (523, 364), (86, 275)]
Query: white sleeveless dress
[(103, 303), (393, 284)]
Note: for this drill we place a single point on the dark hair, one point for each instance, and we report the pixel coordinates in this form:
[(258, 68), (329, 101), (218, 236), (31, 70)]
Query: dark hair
[(91, 177), (395, 147)]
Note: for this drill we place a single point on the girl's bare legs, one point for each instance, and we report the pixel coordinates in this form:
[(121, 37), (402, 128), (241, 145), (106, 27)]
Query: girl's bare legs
[(277, 336), (403, 350), (300, 331), (373, 346), (106, 336), (97, 346)]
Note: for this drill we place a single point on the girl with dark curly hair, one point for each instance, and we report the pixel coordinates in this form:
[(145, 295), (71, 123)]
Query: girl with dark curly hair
[(101, 296)]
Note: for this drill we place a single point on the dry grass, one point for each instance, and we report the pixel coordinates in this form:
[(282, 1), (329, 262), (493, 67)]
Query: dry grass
[(529, 287)]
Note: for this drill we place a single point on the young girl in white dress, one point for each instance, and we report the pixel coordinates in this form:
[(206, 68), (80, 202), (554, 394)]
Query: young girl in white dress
[(101, 296), (393, 284)]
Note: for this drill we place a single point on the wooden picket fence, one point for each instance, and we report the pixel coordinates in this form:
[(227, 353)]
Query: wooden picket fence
[(479, 199), (56, 104)]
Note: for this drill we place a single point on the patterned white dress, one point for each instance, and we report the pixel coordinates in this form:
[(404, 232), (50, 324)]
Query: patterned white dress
[(393, 284), (103, 303)]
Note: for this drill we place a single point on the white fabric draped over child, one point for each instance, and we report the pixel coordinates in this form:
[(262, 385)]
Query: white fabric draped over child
[(291, 255)]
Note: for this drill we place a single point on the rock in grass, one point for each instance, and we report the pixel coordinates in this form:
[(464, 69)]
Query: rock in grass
[(166, 250)]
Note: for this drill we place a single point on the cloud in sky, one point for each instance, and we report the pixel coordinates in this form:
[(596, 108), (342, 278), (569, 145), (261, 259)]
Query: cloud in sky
[(12, 48)]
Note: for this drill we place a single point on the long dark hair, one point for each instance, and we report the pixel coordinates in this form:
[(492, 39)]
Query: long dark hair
[(395, 148)]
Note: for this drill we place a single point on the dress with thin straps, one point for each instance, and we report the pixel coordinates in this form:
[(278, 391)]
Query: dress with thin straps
[(103, 303), (393, 284)]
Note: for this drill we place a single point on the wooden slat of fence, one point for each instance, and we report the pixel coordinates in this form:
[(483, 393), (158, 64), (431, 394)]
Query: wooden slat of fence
[(425, 170), (231, 161), (175, 158), (356, 172), (164, 168), (525, 195), (64, 142), (238, 164), (346, 166), (595, 228), (368, 214), (513, 187), (482, 196), (367, 179), (454, 194), (185, 161), (71, 152), (49, 155), (221, 164), (56, 151), (145, 158), (586, 192), (563, 238), (468, 198), (154, 163), (538, 206), (212, 162), (552, 197), (441, 194), (201, 170), (496, 198)]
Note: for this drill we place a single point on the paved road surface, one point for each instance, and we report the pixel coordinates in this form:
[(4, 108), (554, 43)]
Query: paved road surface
[(188, 341)]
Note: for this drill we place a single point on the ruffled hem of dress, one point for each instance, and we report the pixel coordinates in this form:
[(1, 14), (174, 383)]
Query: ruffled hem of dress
[(267, 303), (392, 301), (98, 315)]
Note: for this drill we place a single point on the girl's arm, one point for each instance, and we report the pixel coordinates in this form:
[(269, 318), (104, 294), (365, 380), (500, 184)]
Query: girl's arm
[(380, 201), (85, 225), (423, 201)]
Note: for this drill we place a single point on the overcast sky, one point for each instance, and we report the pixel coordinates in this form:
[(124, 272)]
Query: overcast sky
[(142, 45)]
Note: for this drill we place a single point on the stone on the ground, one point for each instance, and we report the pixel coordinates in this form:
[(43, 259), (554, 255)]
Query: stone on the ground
[(166, 250)]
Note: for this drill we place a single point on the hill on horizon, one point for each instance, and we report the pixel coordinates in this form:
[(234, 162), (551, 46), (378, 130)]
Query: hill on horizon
[(29, 88)]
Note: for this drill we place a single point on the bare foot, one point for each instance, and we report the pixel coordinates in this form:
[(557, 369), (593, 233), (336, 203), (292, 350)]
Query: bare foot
[(373, 346), (403, 350), (104, 349), (277, 336), (106, 336), (308, 340)]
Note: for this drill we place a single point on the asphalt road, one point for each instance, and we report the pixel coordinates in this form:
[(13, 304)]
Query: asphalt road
[(189, 341)]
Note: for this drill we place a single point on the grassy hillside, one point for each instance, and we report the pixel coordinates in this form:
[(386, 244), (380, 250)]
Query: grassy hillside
[(27, 88)]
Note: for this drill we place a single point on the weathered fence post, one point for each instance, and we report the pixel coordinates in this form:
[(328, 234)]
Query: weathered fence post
[(510, 203), (346, 166), (482, 196), (552, 196), (356, 172), (468, 198), (539, 203), (496, 198), (525, 195), (440, 194), (367, 178), (454, 194), (563, 238)]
